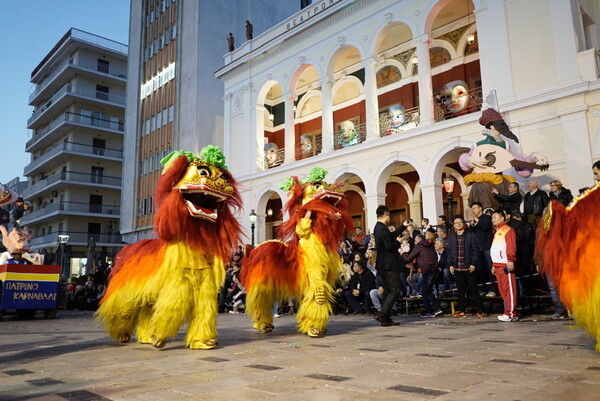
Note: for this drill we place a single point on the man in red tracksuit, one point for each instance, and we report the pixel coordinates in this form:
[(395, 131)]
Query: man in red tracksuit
[(504, 255)]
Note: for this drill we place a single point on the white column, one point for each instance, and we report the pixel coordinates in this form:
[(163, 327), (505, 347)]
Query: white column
[(431, 196), (373, 200), (326, 115), (564, 42), (227, 126), (425, 86), (371, 101), (415, 211), (494, 54), (290, 133), (259, 125), (466, 206), (578, 153)]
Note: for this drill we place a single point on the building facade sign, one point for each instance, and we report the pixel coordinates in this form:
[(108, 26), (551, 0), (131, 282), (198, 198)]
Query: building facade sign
[(310, 12)]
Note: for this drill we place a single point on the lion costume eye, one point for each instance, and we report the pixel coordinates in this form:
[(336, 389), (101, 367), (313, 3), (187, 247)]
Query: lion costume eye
[(203, 172)]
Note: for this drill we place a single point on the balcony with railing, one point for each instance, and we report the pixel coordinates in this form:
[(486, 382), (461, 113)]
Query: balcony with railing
[(72, 148), (70, 208), (77, 239), (108, 71), (310, 145), (73, 118), (349, 134), (72, 177), (76, 90), (447, 106)]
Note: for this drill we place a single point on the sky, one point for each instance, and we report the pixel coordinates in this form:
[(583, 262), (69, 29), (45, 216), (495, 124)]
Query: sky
[(30, 29)]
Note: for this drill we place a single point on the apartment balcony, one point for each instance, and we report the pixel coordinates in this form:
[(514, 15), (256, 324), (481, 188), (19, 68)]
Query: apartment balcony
[(67, 178), (68, 69), (65, 150), (71, 209), (63, 122), (62, 99), (76, 239)]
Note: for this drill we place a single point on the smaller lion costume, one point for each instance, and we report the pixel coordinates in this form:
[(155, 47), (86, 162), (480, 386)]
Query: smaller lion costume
[(567, 250), (158, 284), (308, 265)]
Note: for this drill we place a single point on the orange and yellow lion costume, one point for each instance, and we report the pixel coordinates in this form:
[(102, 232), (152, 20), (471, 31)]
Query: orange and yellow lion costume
[(158, 284), (567, 249), (308, 265)]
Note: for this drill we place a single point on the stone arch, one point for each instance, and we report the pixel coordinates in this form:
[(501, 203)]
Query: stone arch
[(307, 96), (431, 12), (454, 53), (438, 162), (346, 45), (303, 64), (268, 83), (376, 37), (348, 79), (387, 166), (346, 172), (405, 185), (260, 206)]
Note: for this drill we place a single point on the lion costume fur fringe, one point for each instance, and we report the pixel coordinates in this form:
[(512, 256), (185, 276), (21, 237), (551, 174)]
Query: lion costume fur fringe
[(157, 284), (568, 251), (306, 267)]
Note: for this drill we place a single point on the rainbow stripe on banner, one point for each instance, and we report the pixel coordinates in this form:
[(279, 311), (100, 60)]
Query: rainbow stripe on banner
[(29, 286)]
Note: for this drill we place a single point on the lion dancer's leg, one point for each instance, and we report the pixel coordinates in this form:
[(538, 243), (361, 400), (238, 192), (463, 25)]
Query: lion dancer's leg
[(172, 306), (144, 330), (202, 327), (119, 314), (259, 306), (315, 308)]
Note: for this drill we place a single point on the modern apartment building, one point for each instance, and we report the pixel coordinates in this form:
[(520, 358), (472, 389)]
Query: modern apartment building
[(77, 124), (174, 100), (386, 95)]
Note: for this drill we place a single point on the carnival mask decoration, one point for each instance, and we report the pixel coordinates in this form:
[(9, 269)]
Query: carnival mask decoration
[(271, 154), (348, 133), (306, 146), (455, 96), (397, 116)]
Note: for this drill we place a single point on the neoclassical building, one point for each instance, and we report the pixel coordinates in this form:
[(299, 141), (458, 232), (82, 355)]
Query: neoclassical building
[(386, 95)]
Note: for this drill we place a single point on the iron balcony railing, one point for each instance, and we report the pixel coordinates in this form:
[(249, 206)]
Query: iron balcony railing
[(71, 207), (72, 147), (309, 146), (77, 238), (90, 121), (79, 91)]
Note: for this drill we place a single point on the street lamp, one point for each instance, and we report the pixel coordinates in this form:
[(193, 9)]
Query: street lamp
[(253, 217), (62, 243), (449, 187)]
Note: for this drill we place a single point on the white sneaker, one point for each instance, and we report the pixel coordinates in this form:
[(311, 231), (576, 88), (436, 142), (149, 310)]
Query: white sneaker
[(505, 318), (276, 315), (490, 294), (437, 312), (234, 312)]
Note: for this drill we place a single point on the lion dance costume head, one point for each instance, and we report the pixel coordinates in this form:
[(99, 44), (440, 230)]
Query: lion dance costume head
[(307, 264), (159, 284)]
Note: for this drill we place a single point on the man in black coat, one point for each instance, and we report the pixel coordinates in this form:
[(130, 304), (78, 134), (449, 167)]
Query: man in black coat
[(512, 201), (359, 290), (535, 201), (481, 226), (387, 264), (464, 258)]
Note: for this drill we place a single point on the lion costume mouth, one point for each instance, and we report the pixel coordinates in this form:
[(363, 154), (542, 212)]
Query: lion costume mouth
[(202, 202), (332, 197)]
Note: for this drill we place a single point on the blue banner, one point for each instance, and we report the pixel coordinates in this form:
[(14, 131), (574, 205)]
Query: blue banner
[(29, 294)]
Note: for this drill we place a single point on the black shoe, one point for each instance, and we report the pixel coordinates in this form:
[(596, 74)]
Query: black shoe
[(386, 322)]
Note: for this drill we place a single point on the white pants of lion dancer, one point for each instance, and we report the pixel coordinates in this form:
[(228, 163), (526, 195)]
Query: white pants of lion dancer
[(507, 286)]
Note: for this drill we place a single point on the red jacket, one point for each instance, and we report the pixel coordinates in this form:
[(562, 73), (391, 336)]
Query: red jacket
[(504, 246)]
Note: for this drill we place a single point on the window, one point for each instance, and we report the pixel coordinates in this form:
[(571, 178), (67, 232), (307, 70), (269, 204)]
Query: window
[(102, 92), (103, 66), (98, 146), (97, 175), (95, 203)]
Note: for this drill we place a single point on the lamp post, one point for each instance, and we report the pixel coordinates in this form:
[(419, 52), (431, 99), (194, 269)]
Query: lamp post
[(449, 187), (253, 217), (62, 243)]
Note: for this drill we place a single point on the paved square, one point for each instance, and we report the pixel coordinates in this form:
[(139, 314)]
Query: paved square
[(444, 358)]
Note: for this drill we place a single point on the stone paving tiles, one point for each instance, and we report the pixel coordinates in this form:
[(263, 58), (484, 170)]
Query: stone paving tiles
[(71, 358)]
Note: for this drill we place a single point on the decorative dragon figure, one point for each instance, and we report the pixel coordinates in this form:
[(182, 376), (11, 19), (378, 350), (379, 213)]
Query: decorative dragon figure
[(567, 250), (307, 265), (157, 284)]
